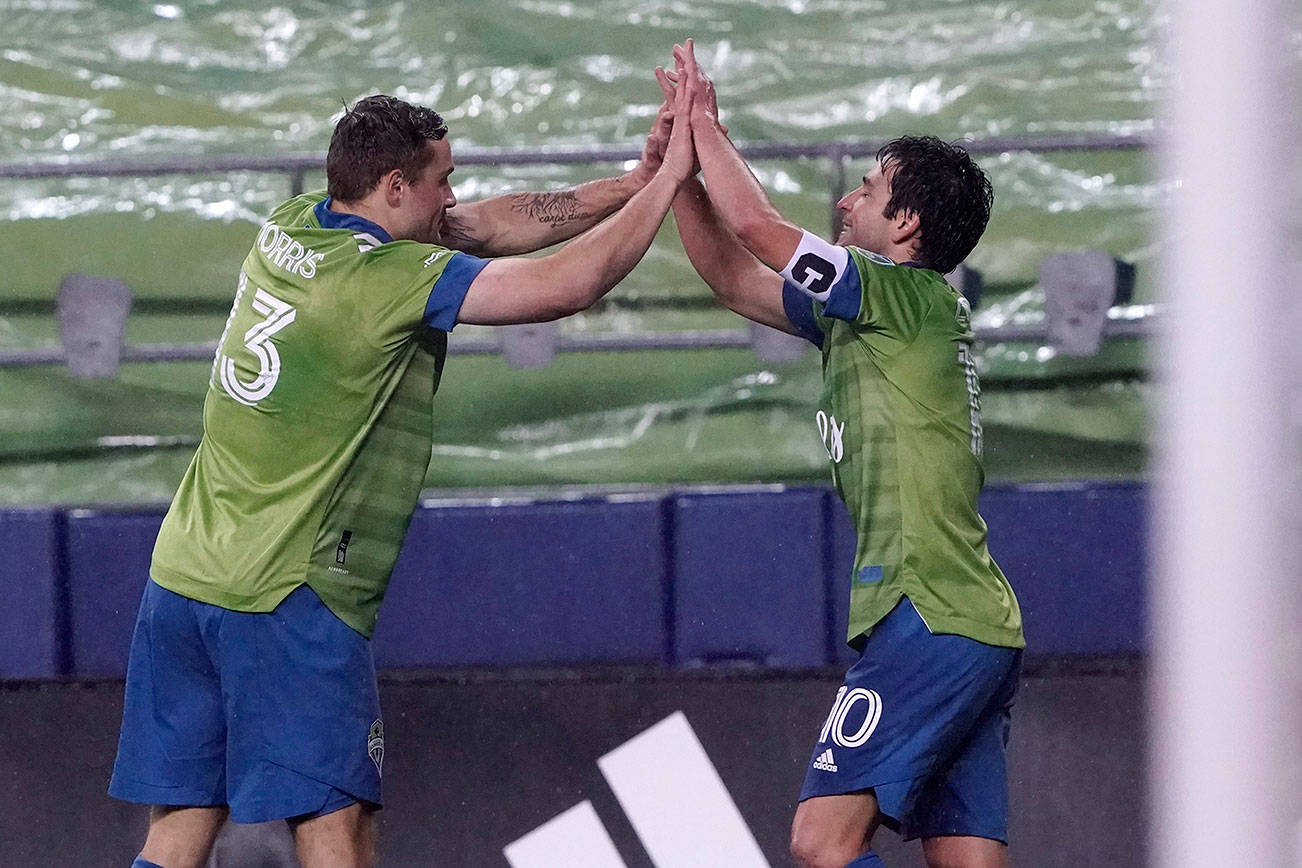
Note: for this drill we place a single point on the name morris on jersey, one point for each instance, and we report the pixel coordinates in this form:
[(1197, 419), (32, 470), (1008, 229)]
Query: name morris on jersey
[(284, 252)]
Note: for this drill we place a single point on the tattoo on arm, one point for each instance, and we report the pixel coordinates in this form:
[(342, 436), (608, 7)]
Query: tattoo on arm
[(457, 236), (551, 209)]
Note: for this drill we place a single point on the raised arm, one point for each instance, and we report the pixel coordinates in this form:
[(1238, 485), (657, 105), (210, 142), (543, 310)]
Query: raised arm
[(517, 223), (739, 280), (514, 290), (737, 195)]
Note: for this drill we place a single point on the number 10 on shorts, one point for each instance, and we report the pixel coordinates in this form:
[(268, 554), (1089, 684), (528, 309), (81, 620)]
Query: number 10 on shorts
[(846, 699)]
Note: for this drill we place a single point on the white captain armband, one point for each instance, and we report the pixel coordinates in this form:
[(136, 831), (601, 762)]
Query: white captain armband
[(816, 266)]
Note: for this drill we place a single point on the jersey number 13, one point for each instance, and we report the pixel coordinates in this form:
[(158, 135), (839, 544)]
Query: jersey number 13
[(275, 314)]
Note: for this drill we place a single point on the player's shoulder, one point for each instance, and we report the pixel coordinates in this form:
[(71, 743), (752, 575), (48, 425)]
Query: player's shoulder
[(298, 211), (868, 259), (878, 268), (405, 256)]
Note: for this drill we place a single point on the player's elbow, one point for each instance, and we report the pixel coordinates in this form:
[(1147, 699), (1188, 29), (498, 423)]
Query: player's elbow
[(569, 300), (725, 291)]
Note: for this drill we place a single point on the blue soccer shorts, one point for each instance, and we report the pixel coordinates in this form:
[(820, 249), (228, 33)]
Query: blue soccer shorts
[(922, 721), (274, 714)]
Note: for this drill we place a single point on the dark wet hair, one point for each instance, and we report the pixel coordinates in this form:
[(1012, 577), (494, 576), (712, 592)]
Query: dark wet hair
[(940, 183), (377, 135)]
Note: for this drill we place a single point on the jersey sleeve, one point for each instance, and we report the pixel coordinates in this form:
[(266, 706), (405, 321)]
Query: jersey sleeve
[(449, 291), (419, 284), (864, 289), (799, 308)]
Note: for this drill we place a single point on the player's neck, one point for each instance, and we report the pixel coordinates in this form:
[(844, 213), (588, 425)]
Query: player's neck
[(367, 210), (899, 253)]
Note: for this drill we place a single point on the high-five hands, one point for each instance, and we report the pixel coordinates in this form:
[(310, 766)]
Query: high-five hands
[(661, 140), (680, 154), (653, 152), (687, 72), (687, 77)]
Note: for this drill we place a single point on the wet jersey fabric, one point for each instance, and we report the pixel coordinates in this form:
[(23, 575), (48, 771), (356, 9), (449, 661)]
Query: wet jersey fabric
[(900, 418), (317, 424)]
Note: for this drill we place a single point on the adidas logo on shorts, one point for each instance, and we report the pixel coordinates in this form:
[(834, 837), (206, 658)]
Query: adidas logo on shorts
[(825, 763)]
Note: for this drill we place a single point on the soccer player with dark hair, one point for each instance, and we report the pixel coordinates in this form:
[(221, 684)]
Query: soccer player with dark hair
[(251, 689), (916, 736)]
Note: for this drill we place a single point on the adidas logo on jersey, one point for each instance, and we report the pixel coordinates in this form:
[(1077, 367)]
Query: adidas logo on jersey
[(825, 763)]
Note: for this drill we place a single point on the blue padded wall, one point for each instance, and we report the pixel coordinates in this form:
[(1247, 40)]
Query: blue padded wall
[(108, 565), (32, 631), (751, 578), (757, 576), (539, 583), (1075, 555), (1073, 552)]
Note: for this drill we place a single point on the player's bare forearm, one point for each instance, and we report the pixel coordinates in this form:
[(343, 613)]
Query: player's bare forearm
[(714, 252), (738, 279), (737, 194), (517, 223), (514, 290), (606, 254)]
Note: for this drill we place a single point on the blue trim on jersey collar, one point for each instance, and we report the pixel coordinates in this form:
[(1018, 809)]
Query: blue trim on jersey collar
[(342, 220)]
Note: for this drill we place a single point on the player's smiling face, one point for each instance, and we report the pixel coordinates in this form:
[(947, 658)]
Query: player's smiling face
[(863, 223), (430, 196)]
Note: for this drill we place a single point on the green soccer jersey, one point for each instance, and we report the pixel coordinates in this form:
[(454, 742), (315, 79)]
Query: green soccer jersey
[(900, 418), (317, 424)]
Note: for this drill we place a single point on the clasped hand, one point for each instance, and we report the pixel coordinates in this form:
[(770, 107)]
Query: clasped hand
[(689, 103)]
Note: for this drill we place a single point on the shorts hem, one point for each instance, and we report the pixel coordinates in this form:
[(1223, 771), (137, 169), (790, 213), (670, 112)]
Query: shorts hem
[(914, 834), (324, 800), (139, 793), (292, 814), (858, 785), (888, 815), (337, 801)]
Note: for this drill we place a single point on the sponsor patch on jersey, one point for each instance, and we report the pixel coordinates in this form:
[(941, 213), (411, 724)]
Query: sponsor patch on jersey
[(833, 434)]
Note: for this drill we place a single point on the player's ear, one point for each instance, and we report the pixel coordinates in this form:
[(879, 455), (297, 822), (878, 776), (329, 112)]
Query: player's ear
[(394, 184), (906, 226)]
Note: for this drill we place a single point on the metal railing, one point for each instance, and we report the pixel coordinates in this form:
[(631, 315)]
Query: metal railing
[(297, 165), (838, 154)]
